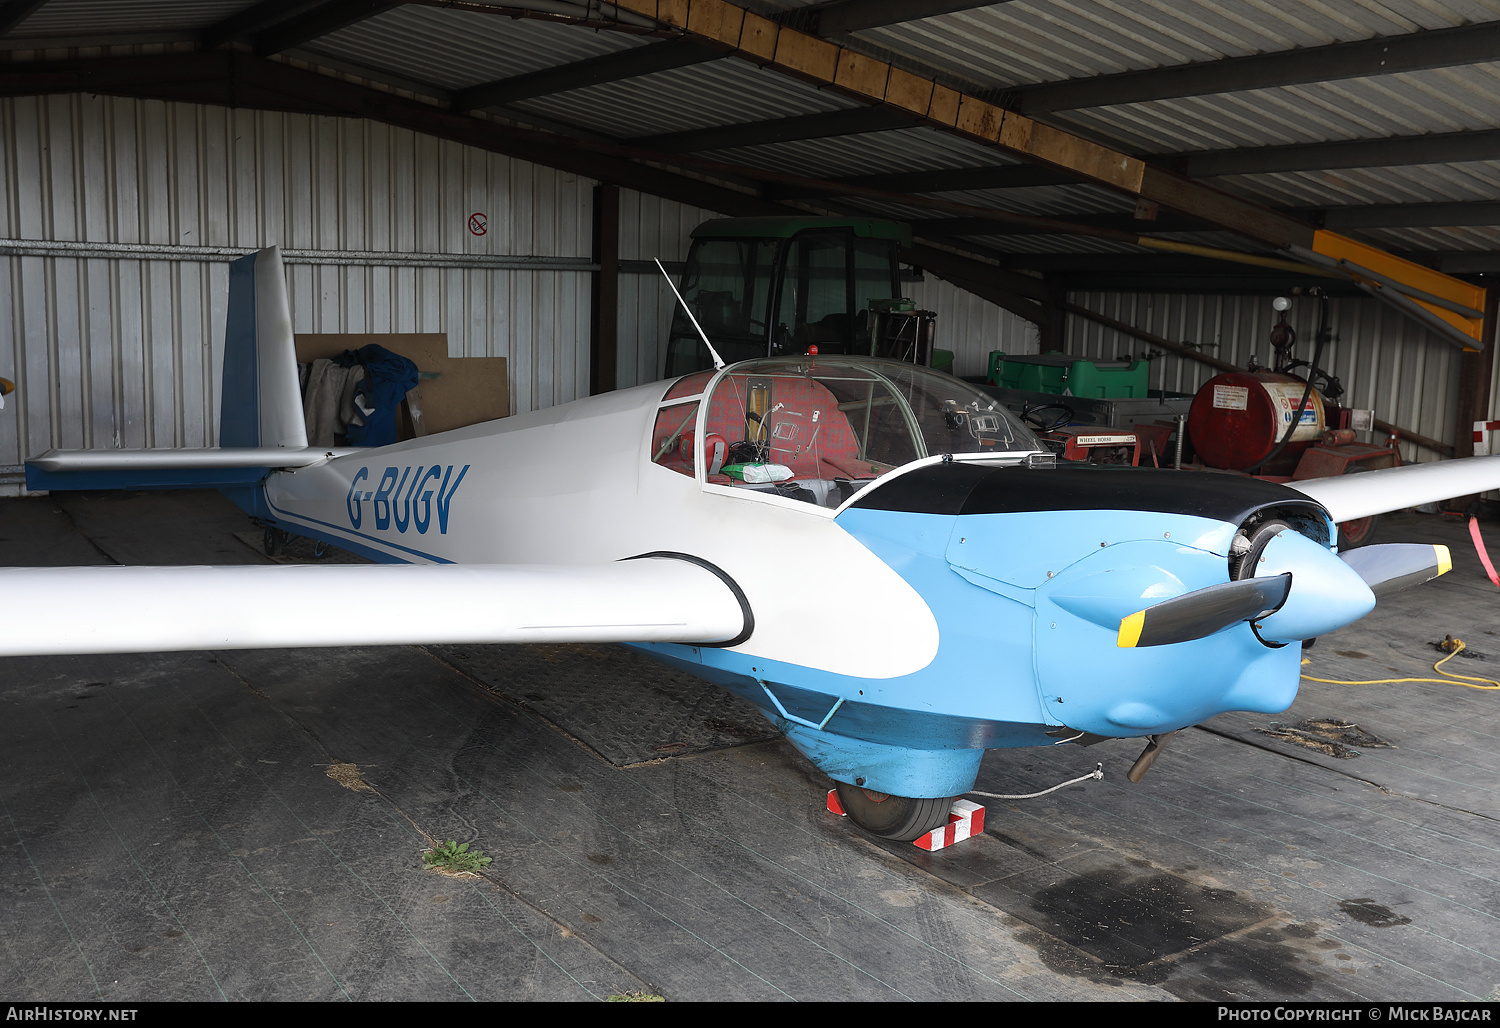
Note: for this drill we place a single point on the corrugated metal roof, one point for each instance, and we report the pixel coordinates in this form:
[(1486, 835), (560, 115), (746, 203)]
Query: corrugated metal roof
[(1447, 100), (1033, 41), (456, 49), (1000, 47), (869, 153), (76, 17), (726, 92)]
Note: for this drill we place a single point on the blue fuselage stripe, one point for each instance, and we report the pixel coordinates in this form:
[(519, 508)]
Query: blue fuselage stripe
[(350, 536)]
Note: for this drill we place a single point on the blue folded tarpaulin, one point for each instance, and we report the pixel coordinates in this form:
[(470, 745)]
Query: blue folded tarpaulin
[(388, 378)]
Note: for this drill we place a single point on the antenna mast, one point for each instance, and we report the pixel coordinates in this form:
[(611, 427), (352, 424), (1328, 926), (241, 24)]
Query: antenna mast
[(718, 361)]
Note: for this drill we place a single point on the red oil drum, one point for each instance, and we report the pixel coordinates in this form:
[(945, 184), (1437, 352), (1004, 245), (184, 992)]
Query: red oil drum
[(1238, 418)]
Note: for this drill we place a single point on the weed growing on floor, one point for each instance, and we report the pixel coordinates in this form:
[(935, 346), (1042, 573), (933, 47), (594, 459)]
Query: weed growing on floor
[(454, 858)]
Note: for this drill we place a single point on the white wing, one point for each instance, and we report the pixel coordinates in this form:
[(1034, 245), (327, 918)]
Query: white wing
[(143, 609), (1375, 492)]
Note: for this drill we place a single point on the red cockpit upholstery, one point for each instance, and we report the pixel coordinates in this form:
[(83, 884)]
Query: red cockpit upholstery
[(804, 427)]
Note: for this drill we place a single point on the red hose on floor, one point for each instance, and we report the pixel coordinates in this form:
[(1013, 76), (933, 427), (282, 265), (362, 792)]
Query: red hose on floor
[(1484, 557)]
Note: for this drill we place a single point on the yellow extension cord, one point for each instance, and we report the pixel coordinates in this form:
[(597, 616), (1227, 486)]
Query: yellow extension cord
[(1463, 680)]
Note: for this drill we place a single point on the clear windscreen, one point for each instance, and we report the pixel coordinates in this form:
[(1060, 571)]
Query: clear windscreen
[(820, 428)]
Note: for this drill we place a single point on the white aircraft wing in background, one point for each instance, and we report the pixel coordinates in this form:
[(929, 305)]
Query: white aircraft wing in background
[(1348, 497)]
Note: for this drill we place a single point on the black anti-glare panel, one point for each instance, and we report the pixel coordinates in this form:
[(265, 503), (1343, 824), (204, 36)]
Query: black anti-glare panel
[(959, 488)]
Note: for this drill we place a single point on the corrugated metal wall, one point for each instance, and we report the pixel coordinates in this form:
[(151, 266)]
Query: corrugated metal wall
[(1416, 385), (649, 228), (969, 326), (124, 352)]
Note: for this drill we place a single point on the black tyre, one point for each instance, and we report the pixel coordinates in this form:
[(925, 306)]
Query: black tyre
[(1357, 532), (1361, 530), (892, 817)]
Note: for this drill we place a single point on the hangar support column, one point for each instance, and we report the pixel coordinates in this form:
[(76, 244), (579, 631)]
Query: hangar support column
[(1475, 370), (604, 303)]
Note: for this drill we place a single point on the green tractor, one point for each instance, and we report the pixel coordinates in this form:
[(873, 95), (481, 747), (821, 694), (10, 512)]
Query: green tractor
[(763, 287)]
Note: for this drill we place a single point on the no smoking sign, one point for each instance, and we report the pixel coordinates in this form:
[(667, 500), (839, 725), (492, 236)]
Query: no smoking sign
[(478, 223)]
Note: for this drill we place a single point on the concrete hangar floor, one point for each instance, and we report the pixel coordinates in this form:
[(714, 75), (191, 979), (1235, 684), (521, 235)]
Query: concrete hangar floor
[(249, 825)]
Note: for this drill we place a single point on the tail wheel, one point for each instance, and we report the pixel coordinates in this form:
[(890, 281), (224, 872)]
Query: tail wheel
[(902, 818), (274, 541)]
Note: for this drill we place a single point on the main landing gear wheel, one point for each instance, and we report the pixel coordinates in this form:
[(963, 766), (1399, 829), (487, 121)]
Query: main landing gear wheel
[(1356, 533), (1359, 531), (892, 817)]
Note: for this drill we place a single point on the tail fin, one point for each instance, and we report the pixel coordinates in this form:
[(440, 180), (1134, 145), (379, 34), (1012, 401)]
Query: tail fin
[(261, 402), (261, 425)]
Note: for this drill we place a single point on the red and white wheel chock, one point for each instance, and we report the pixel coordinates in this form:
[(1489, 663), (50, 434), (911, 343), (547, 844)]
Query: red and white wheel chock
[(965, 818)]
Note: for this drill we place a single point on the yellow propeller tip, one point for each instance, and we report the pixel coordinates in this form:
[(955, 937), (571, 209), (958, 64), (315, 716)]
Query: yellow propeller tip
[(1444, 558), (1130, 629)]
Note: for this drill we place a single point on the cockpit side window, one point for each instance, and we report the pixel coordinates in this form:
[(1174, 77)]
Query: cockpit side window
[(672, 437)]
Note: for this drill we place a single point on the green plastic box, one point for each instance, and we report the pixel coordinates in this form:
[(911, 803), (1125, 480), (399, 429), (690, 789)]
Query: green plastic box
[(1062, 374)]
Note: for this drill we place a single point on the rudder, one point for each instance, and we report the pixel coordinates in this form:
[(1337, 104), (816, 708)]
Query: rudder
[(260, 399)]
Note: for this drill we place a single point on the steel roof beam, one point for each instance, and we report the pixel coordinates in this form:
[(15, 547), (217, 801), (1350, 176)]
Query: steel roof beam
[(13, 12), (317, 21), (1393, 151), (1388, 55), (994, 176), (1404, 215), (841, 16), (1388, 215), (626, 64), (778, 130), (1441, 148), (960, 228), (252, 20), (1461, 262)]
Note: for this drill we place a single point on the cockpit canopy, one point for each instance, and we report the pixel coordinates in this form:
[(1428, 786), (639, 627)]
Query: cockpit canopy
[(818, 429)]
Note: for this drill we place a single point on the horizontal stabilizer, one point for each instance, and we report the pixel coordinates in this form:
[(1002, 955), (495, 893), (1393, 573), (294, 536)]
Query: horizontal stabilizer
[(198, 468), (205, 457), (1203, 612), (1349, 497), (145, 609), (1388, 567)]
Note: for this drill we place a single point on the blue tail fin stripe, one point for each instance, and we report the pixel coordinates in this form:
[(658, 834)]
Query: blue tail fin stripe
[(239, 404)]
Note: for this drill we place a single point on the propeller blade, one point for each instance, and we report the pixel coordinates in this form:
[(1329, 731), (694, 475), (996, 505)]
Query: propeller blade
[(1204, 611), (1388, 567)]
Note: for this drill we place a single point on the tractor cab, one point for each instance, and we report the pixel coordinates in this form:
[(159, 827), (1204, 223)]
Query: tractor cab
[(767, 287)]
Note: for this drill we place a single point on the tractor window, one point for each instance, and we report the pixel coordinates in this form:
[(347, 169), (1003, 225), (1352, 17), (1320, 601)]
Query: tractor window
[(874, 279), (814, 308), (727, 283)]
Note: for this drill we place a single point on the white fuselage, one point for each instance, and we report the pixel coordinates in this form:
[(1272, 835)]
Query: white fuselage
[(575, 484)]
